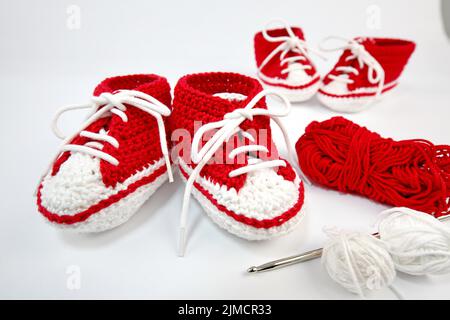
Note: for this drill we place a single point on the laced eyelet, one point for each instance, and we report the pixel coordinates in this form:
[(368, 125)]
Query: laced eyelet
[(347, 74), (104, 105), (289, 44)]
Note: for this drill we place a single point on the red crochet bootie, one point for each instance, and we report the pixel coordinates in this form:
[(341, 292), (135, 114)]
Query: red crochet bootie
[(106, 170), (283, 61), (367, 69), (236, 174)]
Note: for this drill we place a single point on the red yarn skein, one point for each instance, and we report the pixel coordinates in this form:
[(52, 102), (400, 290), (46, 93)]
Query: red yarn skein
[(344, 156)]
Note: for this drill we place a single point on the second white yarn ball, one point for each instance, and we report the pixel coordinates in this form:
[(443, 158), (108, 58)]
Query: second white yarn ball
[(418, 243)]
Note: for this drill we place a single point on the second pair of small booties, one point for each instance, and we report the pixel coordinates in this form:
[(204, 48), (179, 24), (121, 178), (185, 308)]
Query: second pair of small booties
[(367, 69), (106, 170)]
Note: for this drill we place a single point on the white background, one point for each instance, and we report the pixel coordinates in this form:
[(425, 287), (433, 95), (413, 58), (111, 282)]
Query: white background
[(45, 65)]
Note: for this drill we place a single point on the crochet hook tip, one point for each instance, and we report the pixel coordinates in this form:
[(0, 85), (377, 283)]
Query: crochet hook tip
[(252, 269)]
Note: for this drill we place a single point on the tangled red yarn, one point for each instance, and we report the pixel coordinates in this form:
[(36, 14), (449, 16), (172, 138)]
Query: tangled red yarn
[(342, 155)]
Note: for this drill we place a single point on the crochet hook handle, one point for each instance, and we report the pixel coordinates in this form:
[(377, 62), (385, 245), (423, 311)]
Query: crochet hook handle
[(303, 257)]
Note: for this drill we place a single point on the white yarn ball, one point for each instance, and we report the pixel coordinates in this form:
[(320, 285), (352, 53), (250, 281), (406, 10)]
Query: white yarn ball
[(359, 262), (418, 243)]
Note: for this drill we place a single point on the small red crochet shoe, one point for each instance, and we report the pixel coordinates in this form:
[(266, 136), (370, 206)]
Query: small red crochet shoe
[(282, 58), (246, 188), (367, 69), (104, 172)]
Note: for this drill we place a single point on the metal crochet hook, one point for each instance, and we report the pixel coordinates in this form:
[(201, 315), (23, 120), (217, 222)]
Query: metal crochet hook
[(276, 264), (303, 257)]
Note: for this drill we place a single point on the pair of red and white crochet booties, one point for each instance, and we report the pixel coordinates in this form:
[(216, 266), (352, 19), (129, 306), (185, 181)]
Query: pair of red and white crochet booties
[(367, 69), (222, 143)]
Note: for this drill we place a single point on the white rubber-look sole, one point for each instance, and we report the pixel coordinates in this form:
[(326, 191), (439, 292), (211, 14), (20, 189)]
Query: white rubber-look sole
[(240, 229), (117, 213), (350, 105)]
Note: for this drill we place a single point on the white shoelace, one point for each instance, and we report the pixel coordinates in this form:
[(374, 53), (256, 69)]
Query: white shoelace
[(375, 73), (104, 105), (289, 43), (228, 127)]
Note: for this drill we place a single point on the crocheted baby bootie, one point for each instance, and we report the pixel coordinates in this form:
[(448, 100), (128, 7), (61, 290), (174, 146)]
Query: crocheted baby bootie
[(367, 69), (283, 61), (106, 170), (232, 166)]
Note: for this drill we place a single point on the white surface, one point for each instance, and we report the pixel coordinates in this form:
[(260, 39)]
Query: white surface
[(44, 65)]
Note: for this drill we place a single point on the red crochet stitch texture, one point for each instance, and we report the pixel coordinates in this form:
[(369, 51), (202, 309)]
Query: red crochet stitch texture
[(194, 101), (344, 156), (392, 54), (263, 48), (138, 138)]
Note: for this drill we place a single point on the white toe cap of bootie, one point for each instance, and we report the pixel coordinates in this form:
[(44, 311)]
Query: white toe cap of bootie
[(335, 87), (298, 77), (333, 96), (76, 186), (265, 195)]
